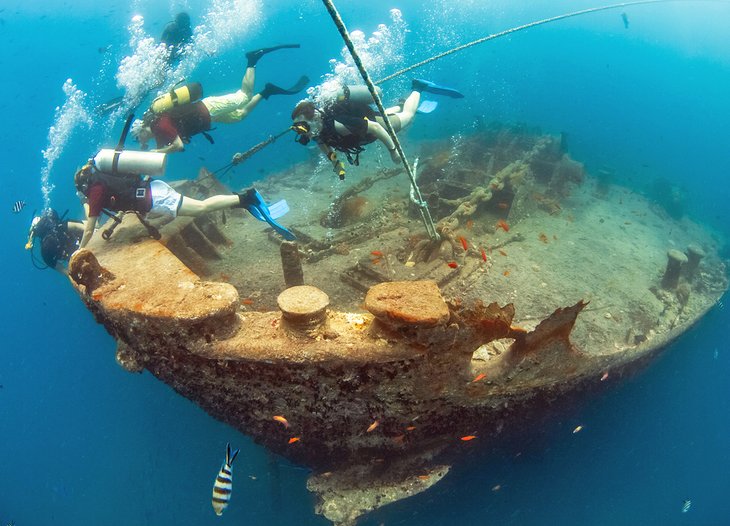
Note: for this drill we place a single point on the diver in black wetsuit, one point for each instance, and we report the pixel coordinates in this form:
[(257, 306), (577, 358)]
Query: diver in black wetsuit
[(176, 35), (59, 238)]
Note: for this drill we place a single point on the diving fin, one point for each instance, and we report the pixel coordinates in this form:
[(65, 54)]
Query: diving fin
[(254, 56), (272, 89), (431, 87), (279, 209), (252, 201), (427, 106)]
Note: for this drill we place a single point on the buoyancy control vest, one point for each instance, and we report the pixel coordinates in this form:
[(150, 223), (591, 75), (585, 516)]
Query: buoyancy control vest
[(124, 192), (354, 116)]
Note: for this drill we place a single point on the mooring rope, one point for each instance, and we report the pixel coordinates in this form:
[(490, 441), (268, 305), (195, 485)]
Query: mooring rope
[(532, 24), (422, 206)]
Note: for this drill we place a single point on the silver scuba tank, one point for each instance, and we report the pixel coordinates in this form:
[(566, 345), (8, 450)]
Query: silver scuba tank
[(130, 162)]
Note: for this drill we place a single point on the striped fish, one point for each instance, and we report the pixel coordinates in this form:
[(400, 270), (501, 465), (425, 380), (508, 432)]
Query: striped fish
[(18, 206), (224, 483)]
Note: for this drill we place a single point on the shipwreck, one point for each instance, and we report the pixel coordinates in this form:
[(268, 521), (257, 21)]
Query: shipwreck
[(383, 348)]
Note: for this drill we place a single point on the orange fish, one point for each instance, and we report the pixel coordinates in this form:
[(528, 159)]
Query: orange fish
[(423, 477), (503, 225), (464, 244), (577, 429), (605, 376), (469, 224), (467, 438), (502, 252), (372, 427), (293, 439), (484, 255), (452, 264), (247, 301), (376, 261), (503, 205), (410, 428), (543, 237), (282, 420), (506, 273), (376, 253), (480, 376)]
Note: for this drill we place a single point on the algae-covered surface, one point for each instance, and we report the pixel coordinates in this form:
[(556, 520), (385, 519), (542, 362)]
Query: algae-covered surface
[(524, 224)]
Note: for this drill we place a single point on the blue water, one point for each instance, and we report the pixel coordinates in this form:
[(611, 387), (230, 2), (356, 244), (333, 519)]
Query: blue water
[(84, 442)]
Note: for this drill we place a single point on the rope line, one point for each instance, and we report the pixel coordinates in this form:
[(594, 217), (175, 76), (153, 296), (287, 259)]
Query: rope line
[(528, 26), (422, 206)]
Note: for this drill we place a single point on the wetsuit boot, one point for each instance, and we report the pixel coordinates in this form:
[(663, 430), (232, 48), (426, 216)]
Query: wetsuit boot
[(254, 56)]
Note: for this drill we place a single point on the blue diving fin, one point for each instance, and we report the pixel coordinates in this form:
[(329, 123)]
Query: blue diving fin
[(260, 211), (432, 87)]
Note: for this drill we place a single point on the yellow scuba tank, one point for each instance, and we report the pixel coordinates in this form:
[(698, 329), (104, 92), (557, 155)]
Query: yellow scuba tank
[(182, 95)]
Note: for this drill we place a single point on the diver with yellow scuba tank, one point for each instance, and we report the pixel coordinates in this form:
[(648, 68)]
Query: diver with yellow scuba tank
[(175, 117)]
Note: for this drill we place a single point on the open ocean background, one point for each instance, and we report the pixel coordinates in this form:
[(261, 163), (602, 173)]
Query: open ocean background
[(83, 442)]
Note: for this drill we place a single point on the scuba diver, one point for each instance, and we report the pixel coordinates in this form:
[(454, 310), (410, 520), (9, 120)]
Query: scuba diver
[(175, 117), (113, 182), (176, 35), (348, 123), (58, 237)]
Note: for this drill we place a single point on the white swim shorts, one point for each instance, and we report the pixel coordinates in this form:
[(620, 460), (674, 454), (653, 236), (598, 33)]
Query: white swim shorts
[(165, 200), (226, 108)]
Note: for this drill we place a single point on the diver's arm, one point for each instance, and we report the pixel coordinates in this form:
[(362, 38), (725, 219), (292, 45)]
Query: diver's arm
[(175, 146), (88, 231), (374, 128), (337, 166)]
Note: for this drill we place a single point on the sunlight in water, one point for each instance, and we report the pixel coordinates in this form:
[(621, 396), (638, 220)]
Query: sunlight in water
[(67, 117), (384, 48), (145, 69), (148, 71)]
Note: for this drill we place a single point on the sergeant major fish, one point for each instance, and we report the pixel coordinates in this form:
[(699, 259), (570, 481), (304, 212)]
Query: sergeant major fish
[(686, 505), (224, 483), (18, 206)]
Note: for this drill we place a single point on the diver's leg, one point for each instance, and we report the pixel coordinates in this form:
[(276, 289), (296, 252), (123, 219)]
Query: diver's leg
[(247, 82), (194, 207), (409, 109), (402, 118)]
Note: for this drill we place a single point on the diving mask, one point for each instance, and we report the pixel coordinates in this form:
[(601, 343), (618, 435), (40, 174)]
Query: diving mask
[(302, 129)]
